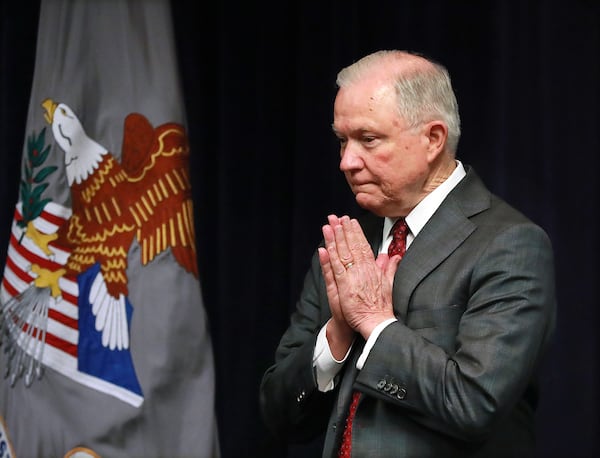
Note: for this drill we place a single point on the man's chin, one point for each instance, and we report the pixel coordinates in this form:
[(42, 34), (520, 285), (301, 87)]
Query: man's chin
[(367, 202)]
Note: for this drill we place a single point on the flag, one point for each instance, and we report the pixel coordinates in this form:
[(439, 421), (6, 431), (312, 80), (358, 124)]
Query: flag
[(105, 342)]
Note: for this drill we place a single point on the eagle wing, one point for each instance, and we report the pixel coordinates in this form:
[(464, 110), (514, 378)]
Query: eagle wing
[(156, 162)]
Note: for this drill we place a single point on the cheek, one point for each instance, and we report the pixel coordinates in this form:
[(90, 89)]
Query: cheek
[(406, 170), (413, 154)]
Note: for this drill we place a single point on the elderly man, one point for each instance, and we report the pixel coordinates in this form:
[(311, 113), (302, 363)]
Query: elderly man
[(421, 326)]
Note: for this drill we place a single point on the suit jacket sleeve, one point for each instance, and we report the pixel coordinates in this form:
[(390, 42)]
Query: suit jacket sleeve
[(291, 404)]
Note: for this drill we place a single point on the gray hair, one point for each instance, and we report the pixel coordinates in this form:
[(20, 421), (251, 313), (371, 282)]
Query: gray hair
[(423, 89)]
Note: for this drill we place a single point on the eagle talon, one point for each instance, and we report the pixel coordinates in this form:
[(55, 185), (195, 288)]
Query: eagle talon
[(48, 279), (40, 239)]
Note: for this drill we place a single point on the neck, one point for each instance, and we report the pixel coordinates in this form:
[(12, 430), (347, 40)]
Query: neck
[(439, 174)]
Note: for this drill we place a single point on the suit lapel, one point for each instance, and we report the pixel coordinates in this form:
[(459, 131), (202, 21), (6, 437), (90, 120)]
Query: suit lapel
[(444, 232)]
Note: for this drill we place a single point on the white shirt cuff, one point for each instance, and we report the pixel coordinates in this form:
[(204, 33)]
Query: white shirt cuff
[(326, 366)]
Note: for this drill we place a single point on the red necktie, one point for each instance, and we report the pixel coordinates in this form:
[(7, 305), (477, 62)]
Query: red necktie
[(399, 232), (397, 246)]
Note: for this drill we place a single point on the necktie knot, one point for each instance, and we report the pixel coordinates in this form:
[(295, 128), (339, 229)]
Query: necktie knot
[(399, 233)]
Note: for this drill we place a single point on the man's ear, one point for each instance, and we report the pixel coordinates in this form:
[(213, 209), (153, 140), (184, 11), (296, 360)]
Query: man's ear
[(437, 134)]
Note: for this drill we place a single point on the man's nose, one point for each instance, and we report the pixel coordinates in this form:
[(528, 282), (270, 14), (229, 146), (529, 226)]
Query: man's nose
[(351, 158)]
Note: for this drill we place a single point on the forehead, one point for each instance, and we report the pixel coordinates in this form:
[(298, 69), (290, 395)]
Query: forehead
[(364, 105)]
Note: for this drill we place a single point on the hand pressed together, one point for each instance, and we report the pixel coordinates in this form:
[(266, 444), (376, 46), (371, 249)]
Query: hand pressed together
[(359, 287)]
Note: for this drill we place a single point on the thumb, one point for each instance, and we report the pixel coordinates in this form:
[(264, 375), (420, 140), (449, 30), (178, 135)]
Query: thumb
[(389, 269)]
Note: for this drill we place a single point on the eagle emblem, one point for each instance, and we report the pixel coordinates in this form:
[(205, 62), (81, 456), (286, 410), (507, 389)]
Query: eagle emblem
[(82, 252)]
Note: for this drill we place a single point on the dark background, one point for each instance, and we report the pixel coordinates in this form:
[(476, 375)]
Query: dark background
[(258, 81)]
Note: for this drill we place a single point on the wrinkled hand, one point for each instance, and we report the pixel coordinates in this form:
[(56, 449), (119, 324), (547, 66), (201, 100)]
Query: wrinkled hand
[(359, 287)]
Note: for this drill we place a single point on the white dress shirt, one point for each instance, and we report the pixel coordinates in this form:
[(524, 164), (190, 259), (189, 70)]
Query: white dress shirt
[(326, 366)]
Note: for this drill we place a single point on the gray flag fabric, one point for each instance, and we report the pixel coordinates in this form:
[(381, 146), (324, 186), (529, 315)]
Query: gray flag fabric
[(105, 345)]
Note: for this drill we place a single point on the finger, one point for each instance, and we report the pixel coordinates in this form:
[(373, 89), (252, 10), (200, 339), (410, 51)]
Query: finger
[(337, 267), (333, 220), (357, 242), (327, 231), (330, 284), (343, 247), (325, 264)]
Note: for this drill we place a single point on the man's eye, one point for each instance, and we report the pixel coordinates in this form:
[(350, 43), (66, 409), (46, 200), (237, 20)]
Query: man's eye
[(369, 140)]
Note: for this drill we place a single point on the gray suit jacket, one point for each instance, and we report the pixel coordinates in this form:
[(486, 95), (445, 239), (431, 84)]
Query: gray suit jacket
[(456, 375)]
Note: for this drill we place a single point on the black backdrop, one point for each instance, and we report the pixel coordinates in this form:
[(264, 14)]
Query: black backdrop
[(258, 80)]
